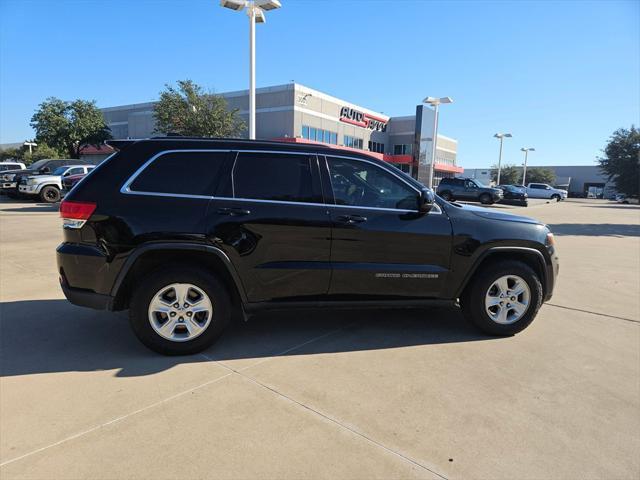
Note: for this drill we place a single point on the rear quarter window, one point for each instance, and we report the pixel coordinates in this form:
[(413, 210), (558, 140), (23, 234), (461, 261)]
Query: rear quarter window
[(181, 173)]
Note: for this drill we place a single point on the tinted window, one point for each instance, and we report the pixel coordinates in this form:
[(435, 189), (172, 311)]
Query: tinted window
[(366, 185), (187, 173), (273, 176), (538, 186)]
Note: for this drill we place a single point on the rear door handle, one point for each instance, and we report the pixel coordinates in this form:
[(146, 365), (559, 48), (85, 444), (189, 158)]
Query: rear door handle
[(351, 219), (234, 212)]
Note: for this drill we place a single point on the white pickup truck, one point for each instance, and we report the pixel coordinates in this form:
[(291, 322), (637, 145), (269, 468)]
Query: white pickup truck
[(542, 190), (48, 187)]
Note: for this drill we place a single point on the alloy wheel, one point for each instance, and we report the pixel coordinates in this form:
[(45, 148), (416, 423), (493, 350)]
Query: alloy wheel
[(507, 299), (180, 312)]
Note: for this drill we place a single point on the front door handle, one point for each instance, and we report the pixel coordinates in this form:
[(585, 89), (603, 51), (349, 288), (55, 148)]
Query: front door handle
[(351, 219), (234, 212)]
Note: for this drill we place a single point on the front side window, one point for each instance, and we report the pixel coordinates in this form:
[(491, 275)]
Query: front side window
[(181, 173), (59, 171), (366, 185), (273, 176)]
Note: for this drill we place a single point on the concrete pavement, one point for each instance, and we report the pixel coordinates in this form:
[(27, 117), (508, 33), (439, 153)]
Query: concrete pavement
[(384, 394)]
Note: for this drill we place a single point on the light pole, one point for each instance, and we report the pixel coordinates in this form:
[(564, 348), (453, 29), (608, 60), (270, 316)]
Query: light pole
[(501, 136), (255, 10), (435, 103), (526, 154), (30, 145)]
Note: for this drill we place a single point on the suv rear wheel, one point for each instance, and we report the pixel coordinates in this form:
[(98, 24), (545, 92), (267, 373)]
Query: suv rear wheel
[(503, 299), (180, 310), (50, 194)]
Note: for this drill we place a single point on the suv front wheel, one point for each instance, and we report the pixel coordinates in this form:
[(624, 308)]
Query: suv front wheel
[(179, 310), (503, 299), (446, 195)]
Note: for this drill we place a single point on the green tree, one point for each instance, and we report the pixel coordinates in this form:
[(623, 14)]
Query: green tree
[(509, 174), (41, 151), (621, 162), (188, 110), (540, 175), (12, 154), (67, 126)]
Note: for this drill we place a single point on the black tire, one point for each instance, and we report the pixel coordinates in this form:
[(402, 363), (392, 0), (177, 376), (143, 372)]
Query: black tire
[(473, 300), (156, 280), (486, 199), (50, 194), (446, 195), (556, 197)]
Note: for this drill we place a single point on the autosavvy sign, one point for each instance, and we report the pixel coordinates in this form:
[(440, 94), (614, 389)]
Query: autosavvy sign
[(364, 120)]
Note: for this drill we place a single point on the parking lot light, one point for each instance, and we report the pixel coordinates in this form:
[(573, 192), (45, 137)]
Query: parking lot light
[(435, 103), (526, 153), (255, 11), (501, 136)]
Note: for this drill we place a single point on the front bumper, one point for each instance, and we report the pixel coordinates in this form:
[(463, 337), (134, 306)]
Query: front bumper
[(86, 298), (28, 189)]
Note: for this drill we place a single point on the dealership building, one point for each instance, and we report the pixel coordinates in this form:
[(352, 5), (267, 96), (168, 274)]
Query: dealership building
[(296, 113)]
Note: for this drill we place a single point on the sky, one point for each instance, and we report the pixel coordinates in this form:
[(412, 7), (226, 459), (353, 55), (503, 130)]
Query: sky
[(560, 76)]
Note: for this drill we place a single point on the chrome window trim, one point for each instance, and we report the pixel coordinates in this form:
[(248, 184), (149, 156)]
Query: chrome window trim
[(126, 187)]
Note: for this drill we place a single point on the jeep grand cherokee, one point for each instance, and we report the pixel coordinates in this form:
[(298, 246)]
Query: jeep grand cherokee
[(186, 232)]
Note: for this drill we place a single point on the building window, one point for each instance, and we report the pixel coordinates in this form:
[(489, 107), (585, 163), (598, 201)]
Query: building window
[(402, 149), (319, 135), (353, 142), (376, 147)]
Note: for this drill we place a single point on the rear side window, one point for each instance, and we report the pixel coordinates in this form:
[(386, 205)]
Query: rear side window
[(181, 173), (274, 176)]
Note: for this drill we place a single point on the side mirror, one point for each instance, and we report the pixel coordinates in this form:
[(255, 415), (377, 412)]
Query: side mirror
[(45, 170), (426, 199)]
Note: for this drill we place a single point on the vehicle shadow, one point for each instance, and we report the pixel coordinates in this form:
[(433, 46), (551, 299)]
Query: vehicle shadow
[(46, 336), (617, 205), (596, 229), (41, 207)]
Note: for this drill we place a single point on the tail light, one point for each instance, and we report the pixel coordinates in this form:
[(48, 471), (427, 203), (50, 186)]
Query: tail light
[(75, 214)]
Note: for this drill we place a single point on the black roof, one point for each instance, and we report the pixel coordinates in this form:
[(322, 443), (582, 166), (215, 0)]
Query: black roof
[(233, 143)]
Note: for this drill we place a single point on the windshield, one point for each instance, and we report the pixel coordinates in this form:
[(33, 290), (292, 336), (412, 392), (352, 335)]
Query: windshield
[(479, 183), (59, 171), (38, 165)]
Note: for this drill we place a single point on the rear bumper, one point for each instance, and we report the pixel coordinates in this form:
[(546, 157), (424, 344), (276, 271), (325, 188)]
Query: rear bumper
[(86, 277)]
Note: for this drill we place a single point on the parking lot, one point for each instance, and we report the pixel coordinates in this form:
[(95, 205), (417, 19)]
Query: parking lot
[(371, 394)]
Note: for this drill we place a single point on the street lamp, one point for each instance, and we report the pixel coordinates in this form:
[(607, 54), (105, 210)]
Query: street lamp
[(501, 136), (435, 103), (255, 10), (30, 145), (526, 154)]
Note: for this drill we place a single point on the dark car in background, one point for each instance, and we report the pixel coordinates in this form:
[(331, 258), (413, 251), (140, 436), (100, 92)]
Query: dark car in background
[(70, 181), (469, 189), (514, 195)]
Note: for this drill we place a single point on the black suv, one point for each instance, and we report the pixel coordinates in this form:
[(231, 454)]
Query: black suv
[(452, 189), (187, 232)]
